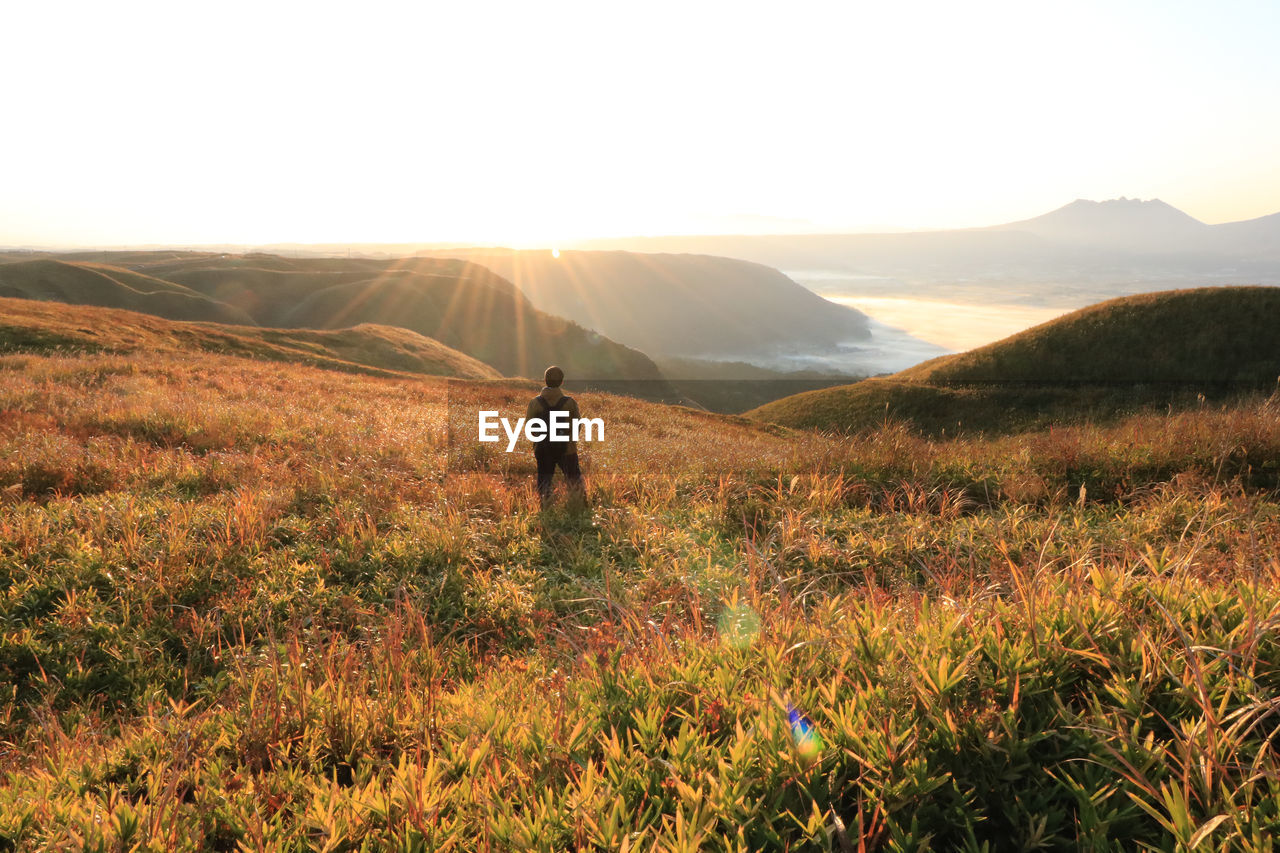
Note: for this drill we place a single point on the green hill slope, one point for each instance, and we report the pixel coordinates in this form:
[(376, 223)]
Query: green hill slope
[(1203, 335), (30, 326), (461, 304), (84, 283), (1167, 349)]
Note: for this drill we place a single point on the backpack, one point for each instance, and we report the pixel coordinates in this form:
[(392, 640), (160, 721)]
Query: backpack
[(546, 445)]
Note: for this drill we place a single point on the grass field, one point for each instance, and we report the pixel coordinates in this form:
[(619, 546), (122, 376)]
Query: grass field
[(248, 605)]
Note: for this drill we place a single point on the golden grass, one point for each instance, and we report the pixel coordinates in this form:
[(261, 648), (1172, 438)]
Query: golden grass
[(31, 326), (251, 605)]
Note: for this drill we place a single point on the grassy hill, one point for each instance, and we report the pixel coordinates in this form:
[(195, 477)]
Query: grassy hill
[(1159, 349), (84, 283), (254, 605), (34, 327), (462, 305), (1203, 335)]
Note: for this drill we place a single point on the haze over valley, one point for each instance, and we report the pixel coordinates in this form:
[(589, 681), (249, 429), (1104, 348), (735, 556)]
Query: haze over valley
[(958, 289), (838, 304)]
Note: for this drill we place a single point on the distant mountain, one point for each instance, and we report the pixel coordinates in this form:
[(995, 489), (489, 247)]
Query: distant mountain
[(1123, 223), (1260, 237), (31, 326), (676, 305), (1151, 226), (1107, 359), (1096, 249)]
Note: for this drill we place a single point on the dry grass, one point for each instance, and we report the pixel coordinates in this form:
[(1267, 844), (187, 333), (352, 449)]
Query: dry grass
[(250, 605), (42, 327)]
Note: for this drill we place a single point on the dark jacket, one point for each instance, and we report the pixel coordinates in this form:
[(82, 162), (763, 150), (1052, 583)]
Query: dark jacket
[(553, 396)]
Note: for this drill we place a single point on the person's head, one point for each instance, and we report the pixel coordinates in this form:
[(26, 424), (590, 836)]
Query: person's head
[(554, 377)]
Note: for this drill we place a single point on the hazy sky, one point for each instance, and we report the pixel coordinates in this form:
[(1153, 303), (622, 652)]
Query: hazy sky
[(175, 122)]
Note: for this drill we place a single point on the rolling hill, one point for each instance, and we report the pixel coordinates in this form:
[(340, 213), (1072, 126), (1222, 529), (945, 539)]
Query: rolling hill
[(247, 605), (86, 283), (1153, 349), (677, 305), (38, 327), (462, 305)]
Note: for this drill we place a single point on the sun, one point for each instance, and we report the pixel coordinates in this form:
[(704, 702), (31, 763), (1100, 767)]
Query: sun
[(555, 253)]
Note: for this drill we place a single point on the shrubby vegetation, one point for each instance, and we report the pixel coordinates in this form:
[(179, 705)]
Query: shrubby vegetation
[(246, 605)]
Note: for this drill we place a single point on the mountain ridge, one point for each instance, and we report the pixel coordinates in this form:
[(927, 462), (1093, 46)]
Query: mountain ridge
[(1112, 242), (87, 283), (462, 305), (676, 305), (1115, 223)]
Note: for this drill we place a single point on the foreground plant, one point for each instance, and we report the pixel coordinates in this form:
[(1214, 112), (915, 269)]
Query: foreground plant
[(247, 607)]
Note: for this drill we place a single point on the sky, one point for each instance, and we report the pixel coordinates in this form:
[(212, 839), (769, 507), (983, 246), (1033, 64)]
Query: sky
[(524, 123)]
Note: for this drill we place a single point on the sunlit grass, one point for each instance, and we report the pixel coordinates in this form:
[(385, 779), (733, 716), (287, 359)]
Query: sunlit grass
[(249, 604)]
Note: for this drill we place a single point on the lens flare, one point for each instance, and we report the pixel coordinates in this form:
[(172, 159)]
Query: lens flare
[(738, 625), (804, 733)]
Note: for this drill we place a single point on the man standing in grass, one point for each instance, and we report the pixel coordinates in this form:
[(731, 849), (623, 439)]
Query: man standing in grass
[(547, 453)]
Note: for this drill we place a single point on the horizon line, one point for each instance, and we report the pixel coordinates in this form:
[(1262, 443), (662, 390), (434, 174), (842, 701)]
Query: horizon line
[(570, 242)]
